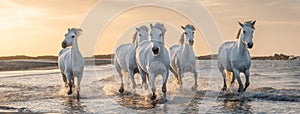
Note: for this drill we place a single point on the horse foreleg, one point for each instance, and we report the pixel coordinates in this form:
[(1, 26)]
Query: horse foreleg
[(118, 68), (164, 87), (175, 74), (180, 72), (78, 80), (144, 79), (247, 75), (236, 73), (153, 88), (194, 88), (131, 74), (70, 83)]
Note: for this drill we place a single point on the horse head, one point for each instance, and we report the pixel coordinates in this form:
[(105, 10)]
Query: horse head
[(189, 33), (141, 34), (157, 37), (70, 37), (247, 33)]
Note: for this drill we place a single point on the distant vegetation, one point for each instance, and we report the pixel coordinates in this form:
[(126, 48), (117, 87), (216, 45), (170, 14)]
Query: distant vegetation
[(110, 56)]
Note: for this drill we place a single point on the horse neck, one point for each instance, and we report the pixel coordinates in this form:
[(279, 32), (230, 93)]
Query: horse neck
[(76, 55), (242, 47), (186, 48)]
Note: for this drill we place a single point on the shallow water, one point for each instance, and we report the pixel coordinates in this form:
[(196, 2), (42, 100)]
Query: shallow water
[(274, 88)]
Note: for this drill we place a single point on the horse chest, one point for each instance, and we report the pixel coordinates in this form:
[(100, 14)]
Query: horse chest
[(241, 65)]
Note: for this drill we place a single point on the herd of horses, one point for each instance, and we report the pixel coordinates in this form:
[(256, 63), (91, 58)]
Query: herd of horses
[(148, 56)]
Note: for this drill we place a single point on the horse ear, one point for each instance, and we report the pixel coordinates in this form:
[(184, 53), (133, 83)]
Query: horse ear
[(241, 24), (137, 29), (151, 26), (69, 29), (253, 22), (182, 27)]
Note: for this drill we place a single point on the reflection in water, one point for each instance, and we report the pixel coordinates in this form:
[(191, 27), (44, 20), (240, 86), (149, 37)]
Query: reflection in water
[(73, 105), (237, 106)]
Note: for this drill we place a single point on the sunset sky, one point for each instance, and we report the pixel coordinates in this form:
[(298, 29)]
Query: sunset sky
[(37, 27)]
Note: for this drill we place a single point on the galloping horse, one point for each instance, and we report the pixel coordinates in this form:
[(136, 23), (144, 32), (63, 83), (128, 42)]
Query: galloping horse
[(125, 56), (234, 56), (70, 61), (152, 58), (183, 56)]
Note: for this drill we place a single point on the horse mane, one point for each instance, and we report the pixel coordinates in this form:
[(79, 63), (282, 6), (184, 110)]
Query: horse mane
[(249, 24), (144, 28), (190, 26), (181, 40), (134, 37), (238, 34), (77, 31)]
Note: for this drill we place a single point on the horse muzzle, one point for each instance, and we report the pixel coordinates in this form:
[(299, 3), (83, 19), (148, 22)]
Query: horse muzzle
[(63, 44), (250, 45), (191, 42), (155, 50)]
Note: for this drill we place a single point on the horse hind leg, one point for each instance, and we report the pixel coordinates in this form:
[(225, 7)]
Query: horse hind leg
[(224, 80), (64, 79)]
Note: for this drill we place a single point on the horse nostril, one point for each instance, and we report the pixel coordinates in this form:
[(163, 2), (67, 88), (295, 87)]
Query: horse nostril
[(191, 42), (250, 45), (155, 50), (63, 44)]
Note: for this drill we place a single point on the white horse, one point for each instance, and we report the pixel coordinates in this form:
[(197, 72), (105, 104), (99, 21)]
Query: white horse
[(125, 56), (183, 56), (70, 61), (234, 56), (152, 58)]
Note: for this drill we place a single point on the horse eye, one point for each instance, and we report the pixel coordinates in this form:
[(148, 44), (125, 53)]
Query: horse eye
[(244, 32), (160, 35), (193, 32), (140, 34), (73, 36)]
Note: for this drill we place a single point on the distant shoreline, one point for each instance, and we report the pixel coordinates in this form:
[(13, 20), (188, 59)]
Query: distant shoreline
[(21, 62), (110, 56)]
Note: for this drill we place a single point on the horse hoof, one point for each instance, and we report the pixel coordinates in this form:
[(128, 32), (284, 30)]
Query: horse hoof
[(240, 91), (194, 88), (153, 97), (69, 92), (121, 90), (224, 88)]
